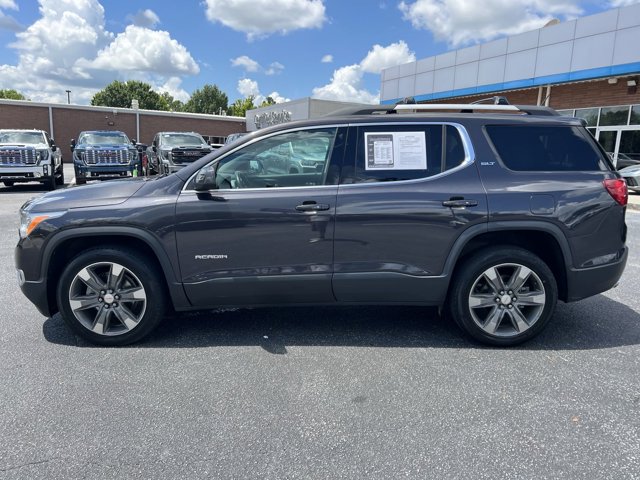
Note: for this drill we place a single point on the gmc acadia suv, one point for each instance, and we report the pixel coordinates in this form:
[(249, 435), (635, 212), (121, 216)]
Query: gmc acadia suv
[(491, 212)]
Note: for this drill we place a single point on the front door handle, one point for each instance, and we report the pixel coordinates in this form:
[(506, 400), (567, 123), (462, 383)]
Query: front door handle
[(312, 207), (459, 203)]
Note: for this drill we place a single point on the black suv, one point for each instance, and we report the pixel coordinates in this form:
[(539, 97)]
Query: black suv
[(170, 151), (491, 212)]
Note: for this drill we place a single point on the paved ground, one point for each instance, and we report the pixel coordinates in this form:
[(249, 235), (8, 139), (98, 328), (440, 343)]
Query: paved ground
[(320, 393)]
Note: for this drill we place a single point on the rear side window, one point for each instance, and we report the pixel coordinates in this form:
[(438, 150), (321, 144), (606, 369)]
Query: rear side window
[(388, 153), (544, 148)]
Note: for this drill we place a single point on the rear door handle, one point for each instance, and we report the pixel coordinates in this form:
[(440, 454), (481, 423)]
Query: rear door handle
[(459, 202), (312, 207)]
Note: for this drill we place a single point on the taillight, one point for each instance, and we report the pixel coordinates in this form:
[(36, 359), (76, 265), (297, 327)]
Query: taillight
[(617, 188)]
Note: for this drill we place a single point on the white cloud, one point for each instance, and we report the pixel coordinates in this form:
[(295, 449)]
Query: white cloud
[(172, 87), (274, 69), (346, 82), (460, 22), (10, 4), (245, 62), (327, 59), (84, 57), (144, 18), (380, 57), (346, 86), (258, 18), (7, 22), (248, 87)]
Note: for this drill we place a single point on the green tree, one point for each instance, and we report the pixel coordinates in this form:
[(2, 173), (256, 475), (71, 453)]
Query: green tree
[(208, 99), (11, 94), (171, 103), (120, 94), (240, 106), (267, 101)]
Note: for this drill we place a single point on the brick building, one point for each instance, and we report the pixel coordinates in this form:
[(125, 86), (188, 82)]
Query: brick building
[(64, 122), (588, 68)]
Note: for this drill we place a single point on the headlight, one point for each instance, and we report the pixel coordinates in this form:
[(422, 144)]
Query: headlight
[(42, 155), (166, 154), (30, 220)]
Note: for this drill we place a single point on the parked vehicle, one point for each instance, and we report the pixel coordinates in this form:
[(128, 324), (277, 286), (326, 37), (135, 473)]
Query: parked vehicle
[(233, 137), (170, 151), (631, 175), (30, 156), (490, 212), (623, 161), (104, 155)]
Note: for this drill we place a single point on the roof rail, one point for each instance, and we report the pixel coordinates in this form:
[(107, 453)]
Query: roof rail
[(459, 107)]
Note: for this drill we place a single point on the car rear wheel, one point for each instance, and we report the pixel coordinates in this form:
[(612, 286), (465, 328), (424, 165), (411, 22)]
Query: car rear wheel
[(60, 177), (503, 296), (110, 296)]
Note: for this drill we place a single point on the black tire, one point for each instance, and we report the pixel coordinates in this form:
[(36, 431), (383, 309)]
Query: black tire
[(9, 184), (107, 318), (51, 183), (60, 177), (80, 180), (517, 317)]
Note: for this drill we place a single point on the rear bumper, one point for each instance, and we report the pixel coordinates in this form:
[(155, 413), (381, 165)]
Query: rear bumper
[(586, 282)]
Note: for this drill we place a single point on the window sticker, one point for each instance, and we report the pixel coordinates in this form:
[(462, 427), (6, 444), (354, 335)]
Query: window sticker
[(395, 151)]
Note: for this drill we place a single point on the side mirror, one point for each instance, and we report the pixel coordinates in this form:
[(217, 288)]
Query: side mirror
[(205, 179), (154, 148), (154, 143), (54, 147), (134, 141), (73, 143)]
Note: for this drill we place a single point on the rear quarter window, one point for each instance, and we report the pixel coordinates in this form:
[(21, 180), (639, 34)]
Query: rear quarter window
[(545, 148)]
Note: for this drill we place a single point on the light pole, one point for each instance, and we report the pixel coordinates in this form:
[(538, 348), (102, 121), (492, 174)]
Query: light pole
[(68, 96)]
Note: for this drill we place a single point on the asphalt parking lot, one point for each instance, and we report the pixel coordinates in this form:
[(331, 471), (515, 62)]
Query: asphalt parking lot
[(368, 392)]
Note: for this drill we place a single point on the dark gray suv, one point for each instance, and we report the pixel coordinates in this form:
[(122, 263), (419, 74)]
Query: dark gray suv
[(491, 212)]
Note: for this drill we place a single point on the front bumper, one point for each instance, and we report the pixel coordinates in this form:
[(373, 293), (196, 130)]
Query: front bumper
[(25, 174), (586, 282), (104, 172)]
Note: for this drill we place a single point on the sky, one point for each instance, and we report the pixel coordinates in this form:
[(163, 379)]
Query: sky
[(286, 49)]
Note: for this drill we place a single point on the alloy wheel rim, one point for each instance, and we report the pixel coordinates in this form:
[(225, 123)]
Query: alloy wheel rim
[(506, 300), (107, 298)]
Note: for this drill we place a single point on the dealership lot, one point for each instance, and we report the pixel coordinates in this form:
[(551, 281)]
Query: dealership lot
[(364, 392)]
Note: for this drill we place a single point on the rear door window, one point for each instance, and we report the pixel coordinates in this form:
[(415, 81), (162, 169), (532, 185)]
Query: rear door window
[(545, 148), (391, 153)]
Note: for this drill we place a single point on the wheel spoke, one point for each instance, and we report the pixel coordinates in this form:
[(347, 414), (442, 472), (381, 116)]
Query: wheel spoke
[(480, 300), (519, 278), (84, 302), (135, 294), (91, 280), (533, 299), (126, 317), (495, 280), (116, 274), (494, 320), (518, 319), (100, 324)]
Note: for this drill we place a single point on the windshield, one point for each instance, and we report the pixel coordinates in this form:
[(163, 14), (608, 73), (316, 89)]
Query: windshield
[(107, 138), (179, 139), (22, 137)]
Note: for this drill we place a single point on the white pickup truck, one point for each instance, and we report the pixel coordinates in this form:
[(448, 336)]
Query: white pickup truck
[(30, 156)]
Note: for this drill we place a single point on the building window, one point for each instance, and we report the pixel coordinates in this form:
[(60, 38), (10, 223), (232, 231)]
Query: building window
[(614, 116), (635, 115), (590, 115)]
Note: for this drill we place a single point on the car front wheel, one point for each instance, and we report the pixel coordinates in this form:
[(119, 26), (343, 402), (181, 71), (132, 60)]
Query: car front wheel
[(503, 296), (111, 296)]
